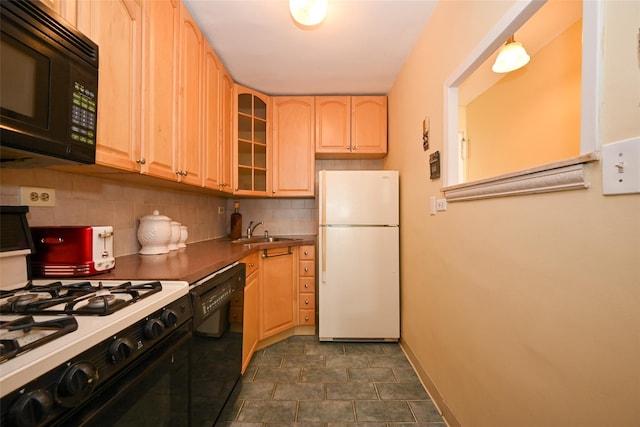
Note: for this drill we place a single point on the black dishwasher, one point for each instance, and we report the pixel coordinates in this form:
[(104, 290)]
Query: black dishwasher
[(216, 362)]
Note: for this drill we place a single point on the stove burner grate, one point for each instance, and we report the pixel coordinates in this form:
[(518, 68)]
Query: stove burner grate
[(24, 333), (81, 298)]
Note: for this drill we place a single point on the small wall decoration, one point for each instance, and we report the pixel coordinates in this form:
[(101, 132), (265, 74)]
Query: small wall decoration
[(434, 165), (425, 134)]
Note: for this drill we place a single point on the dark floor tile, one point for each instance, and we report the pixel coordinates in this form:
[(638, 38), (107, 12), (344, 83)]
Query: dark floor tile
[(417, 425), (324, 375), (326, 411), (351, 391), (425, 411), (363, 348), (335, 361), (267, 410), (266, 359), (391, 348), (356, 424), (230, 410), (303, 360), (401, 391), (405, 375), (371, 375), (323, 348), (287, 347), (294, 425), (389, 361), (380, 410), (302, 339), (237, 424), (267, 373), (255, 390), (299, 391)]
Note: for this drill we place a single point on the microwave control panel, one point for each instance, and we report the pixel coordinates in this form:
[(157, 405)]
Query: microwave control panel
[(83, 115)]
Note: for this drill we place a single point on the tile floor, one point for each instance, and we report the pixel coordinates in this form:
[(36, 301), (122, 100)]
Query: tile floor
[(306, 383)]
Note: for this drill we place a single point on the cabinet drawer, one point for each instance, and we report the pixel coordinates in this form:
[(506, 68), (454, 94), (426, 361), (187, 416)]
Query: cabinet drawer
[(307, 268), (307, 317), (307, 302), (235, 315), (251, 262), (237, 300), (307, 284), (307, 252)]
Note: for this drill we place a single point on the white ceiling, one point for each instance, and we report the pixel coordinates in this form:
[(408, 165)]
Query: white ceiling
[(359, 48)]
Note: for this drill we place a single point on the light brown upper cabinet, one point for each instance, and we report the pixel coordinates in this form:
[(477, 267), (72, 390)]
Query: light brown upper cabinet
[(116, 26), (68, 9), (189, 159), (293, 162), (159, 141), (211, 119), (227, 114), (351, 127), (251, 142)]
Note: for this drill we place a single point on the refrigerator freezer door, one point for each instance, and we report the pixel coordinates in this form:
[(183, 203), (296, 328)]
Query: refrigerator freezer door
[(359, 295), (359, 197)]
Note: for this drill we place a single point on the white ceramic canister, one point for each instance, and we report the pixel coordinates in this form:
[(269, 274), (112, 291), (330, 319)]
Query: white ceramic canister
[(154, 234), (184, 233), (175, 236)]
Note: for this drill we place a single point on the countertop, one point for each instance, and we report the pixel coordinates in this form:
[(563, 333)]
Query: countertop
[(192, 263)]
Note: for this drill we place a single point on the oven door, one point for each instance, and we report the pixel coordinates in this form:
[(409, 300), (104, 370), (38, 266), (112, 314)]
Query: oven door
[(153, 392)]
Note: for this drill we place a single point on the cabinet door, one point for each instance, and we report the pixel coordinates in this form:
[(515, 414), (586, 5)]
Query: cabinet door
[(211, 118), (158, 153), (116, 26), (293, 161), (226, 132), (333, 116), (67, 9), (369, 125), (250, 329), (278, 293), (251, 142), (189, 144)]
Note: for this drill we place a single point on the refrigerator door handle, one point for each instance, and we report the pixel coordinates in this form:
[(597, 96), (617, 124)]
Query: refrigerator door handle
[(323, 251)]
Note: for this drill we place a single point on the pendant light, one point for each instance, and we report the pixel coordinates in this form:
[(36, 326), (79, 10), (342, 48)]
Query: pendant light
[(510, 57), (308, 13)]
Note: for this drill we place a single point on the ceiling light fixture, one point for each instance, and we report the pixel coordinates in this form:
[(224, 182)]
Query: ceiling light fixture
[(308, 13), (510, 57)]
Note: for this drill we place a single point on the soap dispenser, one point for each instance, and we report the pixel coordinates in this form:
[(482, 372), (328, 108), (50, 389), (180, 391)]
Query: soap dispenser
[(236, 222)]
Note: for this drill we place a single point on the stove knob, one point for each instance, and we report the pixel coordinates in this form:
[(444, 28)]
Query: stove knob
[(31, 409), (77, 382), (120, 350), (153, 329), (169, 318)]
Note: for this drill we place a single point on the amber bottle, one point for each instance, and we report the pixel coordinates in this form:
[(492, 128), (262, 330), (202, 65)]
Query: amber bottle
[(236, 222)]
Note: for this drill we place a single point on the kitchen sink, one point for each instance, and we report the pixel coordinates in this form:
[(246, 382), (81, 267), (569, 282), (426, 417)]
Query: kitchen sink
[(262, 239)]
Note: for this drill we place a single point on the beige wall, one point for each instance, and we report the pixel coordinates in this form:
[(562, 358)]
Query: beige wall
[(531, 116), (519, 311)]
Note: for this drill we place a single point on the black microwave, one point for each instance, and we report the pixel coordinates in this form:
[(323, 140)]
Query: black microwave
[(48, 88)]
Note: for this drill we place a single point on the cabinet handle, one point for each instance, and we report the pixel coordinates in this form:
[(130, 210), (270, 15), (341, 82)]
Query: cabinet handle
[(306, 318), (141, 161), (306, 252), (306, 269), (251, 264), (306, 285), (306, 302)]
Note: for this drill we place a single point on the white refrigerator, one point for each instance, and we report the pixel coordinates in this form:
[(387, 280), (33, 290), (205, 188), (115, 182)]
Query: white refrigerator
[(359, 286)]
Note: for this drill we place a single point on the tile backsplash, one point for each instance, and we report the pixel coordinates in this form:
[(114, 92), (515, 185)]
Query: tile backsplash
[(88, 200)]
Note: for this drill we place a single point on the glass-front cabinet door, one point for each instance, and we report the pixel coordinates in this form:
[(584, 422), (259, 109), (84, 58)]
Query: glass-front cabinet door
[(251, 142)]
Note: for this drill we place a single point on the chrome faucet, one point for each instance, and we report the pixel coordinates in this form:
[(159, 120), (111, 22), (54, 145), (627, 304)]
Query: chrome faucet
[(251, 228)]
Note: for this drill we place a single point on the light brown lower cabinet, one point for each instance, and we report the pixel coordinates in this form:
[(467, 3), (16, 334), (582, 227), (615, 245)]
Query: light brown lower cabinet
[(250, 320), (278, 293)]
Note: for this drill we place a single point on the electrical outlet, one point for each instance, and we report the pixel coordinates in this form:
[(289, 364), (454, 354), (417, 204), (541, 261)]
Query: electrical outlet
[(441, 204), (220, 210), (37, 196)]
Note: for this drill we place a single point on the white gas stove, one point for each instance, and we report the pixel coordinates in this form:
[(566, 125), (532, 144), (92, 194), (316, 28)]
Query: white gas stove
[(63, 341)]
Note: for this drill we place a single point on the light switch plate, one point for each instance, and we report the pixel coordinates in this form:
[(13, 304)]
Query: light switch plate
[(621, 167)]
